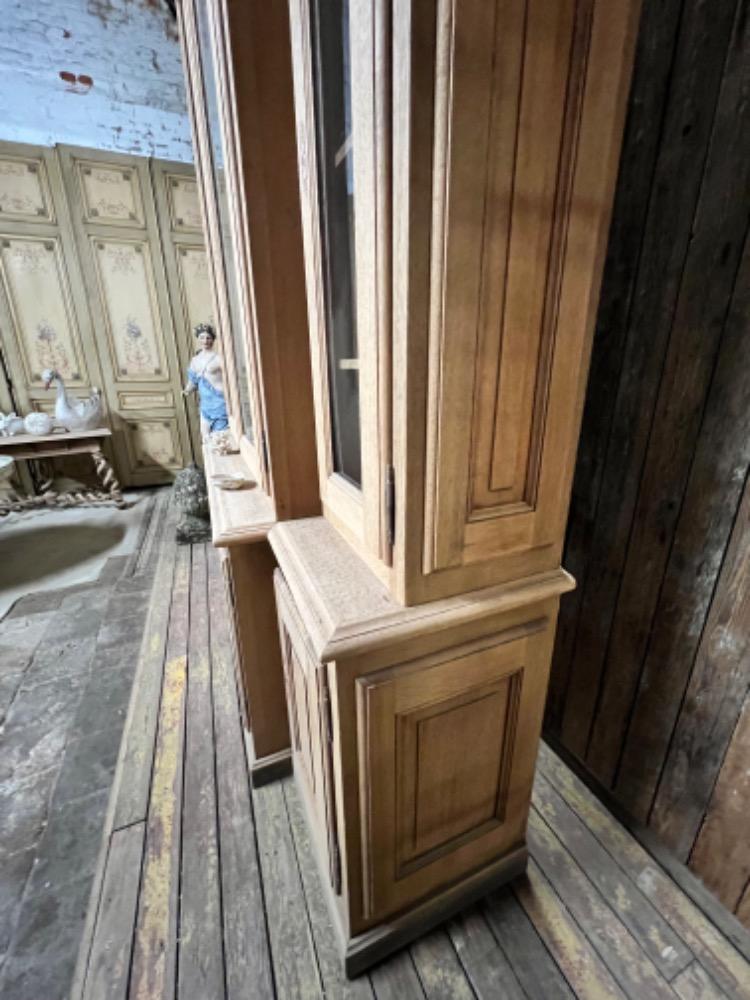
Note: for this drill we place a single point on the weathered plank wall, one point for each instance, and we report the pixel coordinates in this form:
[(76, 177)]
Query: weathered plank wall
[(652, 663)]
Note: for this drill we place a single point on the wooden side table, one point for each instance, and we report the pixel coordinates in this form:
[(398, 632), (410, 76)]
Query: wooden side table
[(55, 445)]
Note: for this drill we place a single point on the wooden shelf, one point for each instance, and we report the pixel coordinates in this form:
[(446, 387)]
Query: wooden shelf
[(237, 516)]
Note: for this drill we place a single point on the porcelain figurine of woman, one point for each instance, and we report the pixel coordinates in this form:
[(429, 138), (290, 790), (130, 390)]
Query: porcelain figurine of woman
[(206, 376)]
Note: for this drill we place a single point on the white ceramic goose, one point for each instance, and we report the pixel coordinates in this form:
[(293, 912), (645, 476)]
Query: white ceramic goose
[(75, 414)]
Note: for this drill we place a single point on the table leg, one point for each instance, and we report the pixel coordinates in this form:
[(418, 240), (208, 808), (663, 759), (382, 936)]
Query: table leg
[(107, 477)]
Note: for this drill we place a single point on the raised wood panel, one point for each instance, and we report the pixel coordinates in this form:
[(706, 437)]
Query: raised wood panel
[(111, 193), (503, 361), (24, 189), (447, 745), (447, 794), (184, 203), (36, 283), (128, 287)]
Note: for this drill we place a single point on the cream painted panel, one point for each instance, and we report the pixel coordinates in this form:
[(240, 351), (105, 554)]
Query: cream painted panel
[(154, 444), (111, 193), (37, 287), (145, 400), (184, 207), (24, 189), (195, 286), (128, 289)]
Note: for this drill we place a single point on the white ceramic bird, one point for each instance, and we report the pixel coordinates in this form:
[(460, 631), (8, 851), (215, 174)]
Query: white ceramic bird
[(74, 414)]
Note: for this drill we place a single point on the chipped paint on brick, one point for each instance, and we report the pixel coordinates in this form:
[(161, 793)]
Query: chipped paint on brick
[(99, 73)]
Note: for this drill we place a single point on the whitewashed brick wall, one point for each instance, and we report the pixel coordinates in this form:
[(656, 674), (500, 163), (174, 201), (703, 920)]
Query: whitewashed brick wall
[(127, 49)]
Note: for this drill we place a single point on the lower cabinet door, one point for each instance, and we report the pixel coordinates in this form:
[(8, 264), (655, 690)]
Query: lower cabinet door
[(448, 745)]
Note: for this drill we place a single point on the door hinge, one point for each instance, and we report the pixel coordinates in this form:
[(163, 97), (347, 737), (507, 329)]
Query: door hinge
[(390, 505)]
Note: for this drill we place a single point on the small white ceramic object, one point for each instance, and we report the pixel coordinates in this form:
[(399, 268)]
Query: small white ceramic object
[(13, 425), (38, 423), (231, 481)]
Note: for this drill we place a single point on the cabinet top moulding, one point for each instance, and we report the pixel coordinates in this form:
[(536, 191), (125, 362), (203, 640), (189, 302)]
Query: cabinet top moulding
[(460, 160), (347, 610)]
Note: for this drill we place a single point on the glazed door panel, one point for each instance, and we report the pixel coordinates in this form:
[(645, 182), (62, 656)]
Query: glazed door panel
[(123, 258), (448, 744)]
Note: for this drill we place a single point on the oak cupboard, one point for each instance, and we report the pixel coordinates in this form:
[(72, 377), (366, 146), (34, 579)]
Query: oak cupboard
[(238, 72), (456, 165), (456, 169)]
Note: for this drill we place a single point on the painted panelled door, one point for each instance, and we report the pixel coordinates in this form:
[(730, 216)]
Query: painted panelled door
[(103, 277)]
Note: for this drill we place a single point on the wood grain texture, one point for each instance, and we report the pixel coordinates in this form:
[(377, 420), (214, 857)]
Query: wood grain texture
[(653, 934), (482, 957), (576, 956), (109, 964), (296, 971), (247, 956), (697, 328), (649, 90), (640, 690), (278, 936), (201, 969), (717, 955), (721, 855), (155, 949), (684, 135)]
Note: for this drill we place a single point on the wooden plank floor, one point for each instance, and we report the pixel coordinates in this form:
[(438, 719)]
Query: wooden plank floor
[(208, 890)]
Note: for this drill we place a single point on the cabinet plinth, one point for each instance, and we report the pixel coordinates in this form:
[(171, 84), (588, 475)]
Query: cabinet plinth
[(414, 733)]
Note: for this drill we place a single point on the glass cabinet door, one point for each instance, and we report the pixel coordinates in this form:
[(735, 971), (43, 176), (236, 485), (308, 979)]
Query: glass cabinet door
[(217, 180), (331, 69)]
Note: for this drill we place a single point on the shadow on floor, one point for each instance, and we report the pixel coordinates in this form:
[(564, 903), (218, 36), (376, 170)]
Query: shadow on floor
[(44, 550)]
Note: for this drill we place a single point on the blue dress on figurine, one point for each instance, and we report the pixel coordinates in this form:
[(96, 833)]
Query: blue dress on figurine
[(206, 377)]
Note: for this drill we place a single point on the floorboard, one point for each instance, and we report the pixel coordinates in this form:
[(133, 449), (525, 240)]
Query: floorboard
[(211, 889)]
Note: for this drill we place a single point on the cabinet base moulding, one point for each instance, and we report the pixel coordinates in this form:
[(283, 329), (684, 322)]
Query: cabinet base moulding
[(364, 950)]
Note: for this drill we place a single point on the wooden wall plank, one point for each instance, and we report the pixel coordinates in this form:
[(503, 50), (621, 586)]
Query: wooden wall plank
[(713, 701), (716, 242), (694, 85), (721, 856), (649, 91), (247, 954), (720, 465), (201, 965)]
